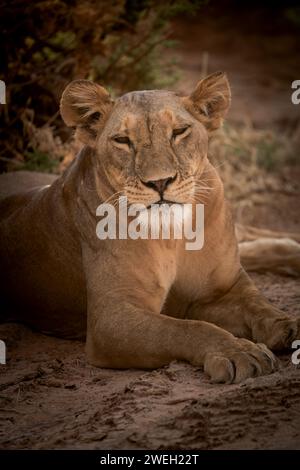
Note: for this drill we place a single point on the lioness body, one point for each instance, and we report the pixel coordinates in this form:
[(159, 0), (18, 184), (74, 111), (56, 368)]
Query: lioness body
[(142, 303), (45, 285), (49, 271)]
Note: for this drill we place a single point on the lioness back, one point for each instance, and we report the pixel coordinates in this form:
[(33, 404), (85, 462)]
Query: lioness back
[(20, 181)]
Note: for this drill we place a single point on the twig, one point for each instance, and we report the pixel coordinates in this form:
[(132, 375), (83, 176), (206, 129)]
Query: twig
[(51, 119), (149, 49), (127, 52)]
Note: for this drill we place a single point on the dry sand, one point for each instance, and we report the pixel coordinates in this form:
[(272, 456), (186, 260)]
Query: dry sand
[(51, 398)]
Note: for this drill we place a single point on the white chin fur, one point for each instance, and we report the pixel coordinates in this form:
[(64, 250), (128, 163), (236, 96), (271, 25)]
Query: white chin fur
[(164, 215)]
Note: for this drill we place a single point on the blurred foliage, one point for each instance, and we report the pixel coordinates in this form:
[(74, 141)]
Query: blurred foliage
[(35, 160), (251, 161), (47, 43)]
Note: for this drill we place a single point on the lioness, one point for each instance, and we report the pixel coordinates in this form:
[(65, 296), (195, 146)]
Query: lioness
[(142, 303)]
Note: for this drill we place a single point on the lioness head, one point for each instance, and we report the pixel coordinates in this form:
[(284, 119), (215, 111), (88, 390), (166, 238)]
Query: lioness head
[(151, 145)]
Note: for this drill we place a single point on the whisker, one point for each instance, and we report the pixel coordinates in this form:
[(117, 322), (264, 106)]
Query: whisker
[(201, 188), (201, 193), (214, 167), (208, 179), (201, 196), (198, 186), (196, 200), (113, 195)]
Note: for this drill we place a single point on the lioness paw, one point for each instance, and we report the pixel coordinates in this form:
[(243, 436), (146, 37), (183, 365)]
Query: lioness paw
[(239, 362), (277, 333)]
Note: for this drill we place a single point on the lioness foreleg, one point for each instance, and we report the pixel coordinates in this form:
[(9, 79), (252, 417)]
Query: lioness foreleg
[(125, 336), (245, 312), (124, 331)]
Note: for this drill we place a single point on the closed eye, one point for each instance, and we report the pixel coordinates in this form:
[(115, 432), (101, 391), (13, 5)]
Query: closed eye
[(179, 131), (122, 140)]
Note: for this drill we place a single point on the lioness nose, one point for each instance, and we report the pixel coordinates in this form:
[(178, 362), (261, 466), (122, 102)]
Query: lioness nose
[(159, 185)]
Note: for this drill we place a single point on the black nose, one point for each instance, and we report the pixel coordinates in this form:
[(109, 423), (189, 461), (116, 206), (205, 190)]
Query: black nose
[(159, 185)]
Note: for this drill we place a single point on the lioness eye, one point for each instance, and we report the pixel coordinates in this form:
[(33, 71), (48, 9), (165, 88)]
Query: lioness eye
[(179, 131), (122, 140)]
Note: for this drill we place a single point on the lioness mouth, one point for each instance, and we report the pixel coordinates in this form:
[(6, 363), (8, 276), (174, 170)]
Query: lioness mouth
[(163, 201)]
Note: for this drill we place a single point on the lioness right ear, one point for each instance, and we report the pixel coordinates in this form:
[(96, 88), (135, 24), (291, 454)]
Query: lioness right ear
[(210, 101), (86, 106)]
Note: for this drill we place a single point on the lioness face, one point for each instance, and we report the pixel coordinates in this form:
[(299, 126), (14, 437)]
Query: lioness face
[(151, 145)]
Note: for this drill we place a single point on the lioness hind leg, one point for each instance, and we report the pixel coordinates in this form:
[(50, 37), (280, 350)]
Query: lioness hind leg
[(244, 312), (270, 254), (249, 233)]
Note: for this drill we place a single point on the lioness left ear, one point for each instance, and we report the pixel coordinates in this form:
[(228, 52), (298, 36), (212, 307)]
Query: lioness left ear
[(85, 106), (210, 101)]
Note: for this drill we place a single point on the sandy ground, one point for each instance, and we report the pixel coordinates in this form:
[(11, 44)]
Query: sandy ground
[(51, 398)]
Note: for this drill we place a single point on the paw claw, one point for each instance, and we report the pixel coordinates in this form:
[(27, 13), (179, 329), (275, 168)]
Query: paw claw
[(240, 361)]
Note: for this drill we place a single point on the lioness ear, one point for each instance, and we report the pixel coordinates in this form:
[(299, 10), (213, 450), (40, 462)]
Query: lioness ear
[(86, 106), (210, 101)]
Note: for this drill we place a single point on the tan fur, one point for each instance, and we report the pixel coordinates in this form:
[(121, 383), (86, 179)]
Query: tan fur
[(144, 302), (266, 250)]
